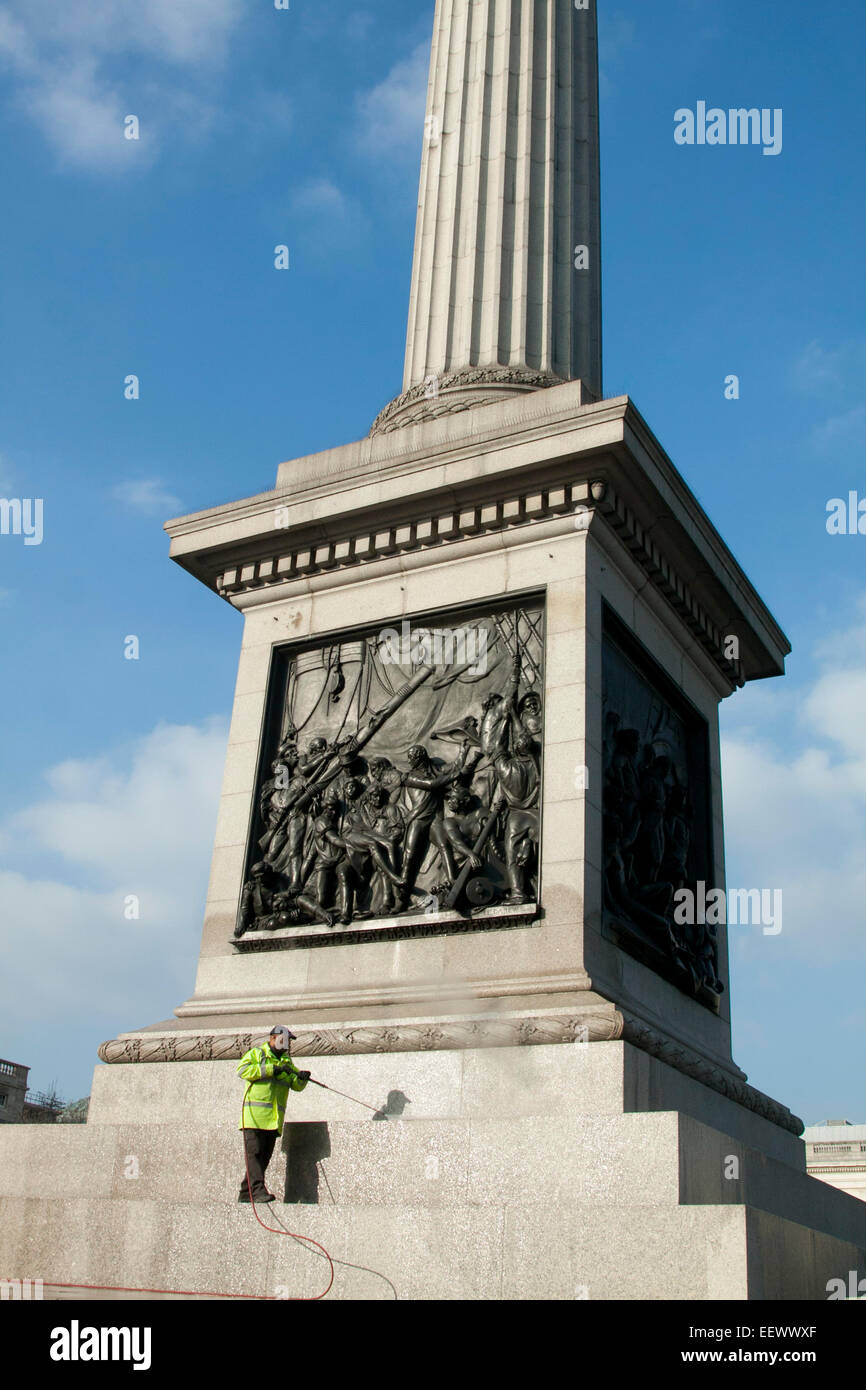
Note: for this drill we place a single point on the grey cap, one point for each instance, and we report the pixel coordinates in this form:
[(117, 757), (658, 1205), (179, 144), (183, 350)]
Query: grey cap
[(284, 1034)]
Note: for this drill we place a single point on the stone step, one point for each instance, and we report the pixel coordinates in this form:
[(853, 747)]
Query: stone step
[(476, 1084), (478, 1253), (660, 1159), (416, 1163)]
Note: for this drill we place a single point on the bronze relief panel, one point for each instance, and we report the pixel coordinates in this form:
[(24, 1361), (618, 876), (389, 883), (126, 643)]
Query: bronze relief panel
[(657, 825), (400, 775)]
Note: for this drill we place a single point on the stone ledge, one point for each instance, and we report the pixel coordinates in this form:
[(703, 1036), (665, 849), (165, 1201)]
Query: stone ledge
[(422, 1037), (592, 1025), (388, 928)]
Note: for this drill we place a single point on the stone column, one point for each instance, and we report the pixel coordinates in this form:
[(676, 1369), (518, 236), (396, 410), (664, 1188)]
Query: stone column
[(509, 189)]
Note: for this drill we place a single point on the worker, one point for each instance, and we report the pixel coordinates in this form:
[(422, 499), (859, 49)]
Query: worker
[(269, 1073)]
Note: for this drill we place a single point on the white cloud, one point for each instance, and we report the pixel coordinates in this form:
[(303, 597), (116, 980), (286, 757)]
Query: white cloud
[(61, 58), (845, 650), (82, 117), (796, 817), (816, 369), (326, 220), (140, 822), (819, 370), (836, 708), (320, 196), (848, 427), (194, 31), (333, 21), (15, 41), (834, 377), (148, 495), (390, 117)]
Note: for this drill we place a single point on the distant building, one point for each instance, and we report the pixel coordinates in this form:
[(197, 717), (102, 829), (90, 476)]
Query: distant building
[(13, 1089), (836, 1153), (19, 1105)]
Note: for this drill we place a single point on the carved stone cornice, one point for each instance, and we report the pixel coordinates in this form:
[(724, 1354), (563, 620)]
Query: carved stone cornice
[(662, 575), (591, 501), (432, 529), (573, 1027), (451, 392)]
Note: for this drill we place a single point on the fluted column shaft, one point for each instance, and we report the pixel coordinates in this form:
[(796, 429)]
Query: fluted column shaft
[(509, 189)]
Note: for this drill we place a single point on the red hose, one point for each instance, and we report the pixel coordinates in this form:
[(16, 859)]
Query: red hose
[(201, 1293), (191, 1293)]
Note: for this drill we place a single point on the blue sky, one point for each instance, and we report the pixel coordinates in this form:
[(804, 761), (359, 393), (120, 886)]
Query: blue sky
[(155, 257)]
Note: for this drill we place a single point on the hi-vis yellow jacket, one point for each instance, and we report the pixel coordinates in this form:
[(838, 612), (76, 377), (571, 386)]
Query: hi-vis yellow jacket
[(265, 1100)]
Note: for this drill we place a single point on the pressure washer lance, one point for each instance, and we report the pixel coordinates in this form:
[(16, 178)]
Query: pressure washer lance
[(376, 1108)]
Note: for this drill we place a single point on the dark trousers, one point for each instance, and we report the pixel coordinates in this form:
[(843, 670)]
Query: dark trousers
[(259, 1145)]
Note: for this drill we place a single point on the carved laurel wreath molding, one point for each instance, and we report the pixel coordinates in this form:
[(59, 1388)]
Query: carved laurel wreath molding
[(453, 391), (436, 1037), (336, 1042)]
